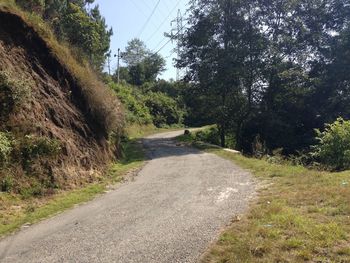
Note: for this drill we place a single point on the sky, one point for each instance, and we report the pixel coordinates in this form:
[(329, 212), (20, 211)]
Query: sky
[(133, 19)]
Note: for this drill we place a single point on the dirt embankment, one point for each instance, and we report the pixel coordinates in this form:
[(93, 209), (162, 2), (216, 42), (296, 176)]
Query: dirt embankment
[(53, 109)]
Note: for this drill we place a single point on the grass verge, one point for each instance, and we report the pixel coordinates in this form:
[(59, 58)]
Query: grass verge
[(301, 215), (17, 211)]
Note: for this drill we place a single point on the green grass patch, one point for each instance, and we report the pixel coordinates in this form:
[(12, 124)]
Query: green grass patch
[(34, 213), (300, 215), (17, 211)]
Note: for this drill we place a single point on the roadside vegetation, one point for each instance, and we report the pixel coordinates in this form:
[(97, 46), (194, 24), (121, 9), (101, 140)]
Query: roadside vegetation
[(25, 208), (330, 152), (299, 215), (147, 99), (148, 107)]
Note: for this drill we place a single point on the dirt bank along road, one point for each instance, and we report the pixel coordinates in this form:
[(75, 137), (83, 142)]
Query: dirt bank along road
[(171, 212)]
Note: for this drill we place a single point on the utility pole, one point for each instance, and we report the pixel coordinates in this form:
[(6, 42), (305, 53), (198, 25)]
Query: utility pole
[(109, 62), (118, 65)]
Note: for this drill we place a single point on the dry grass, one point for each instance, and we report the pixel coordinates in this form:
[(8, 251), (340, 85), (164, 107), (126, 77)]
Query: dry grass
[(101, 103), (300, 215)]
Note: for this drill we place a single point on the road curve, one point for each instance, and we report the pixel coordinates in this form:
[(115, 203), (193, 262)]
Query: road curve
[(171, 212)]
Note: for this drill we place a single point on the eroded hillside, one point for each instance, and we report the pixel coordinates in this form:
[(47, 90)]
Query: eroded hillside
[(55, 123)]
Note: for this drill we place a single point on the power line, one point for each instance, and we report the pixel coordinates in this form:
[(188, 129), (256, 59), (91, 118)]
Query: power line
[(159, 27), (172, 53), (146, 4), (172, 37), (166, 5), (162, 47), (160, 42), (149, 18), (137, 7), (161, 13)]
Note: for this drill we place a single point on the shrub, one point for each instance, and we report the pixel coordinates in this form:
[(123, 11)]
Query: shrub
[(7, 183), (210, 135), (333, 149), (13, 92), (34, 5), (164, 109), (35, 147), (5, 148), (35, 189), (103, 106), (136, 110), (258, 147)]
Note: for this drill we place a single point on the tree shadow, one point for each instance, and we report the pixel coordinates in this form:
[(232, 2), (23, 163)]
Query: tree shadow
[(157, 148)]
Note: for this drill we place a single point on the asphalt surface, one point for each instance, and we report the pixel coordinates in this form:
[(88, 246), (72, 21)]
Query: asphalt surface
[(171, 212)]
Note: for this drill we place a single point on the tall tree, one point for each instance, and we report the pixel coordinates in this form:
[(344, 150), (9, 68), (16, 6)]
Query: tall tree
[(221, 50), (143, 66), (135, 52), (75, 22)]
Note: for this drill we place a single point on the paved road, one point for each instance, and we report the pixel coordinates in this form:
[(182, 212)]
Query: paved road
[(172, 211)]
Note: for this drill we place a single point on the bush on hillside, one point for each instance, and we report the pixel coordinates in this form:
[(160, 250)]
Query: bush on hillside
[(13, 92), (5, 148), (136, 110), (170, 88), (18, 149), (26, 152), (35, 147), (145, 106), (7, 183), (34, 5), (164, 109), (333, 149)]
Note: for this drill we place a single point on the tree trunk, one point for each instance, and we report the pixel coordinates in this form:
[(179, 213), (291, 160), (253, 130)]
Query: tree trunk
[(222, 136)]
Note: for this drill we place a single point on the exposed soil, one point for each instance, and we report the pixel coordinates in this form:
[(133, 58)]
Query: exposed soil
[(55, 110)]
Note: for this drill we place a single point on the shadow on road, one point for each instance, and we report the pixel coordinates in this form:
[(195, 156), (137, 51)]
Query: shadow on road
[(165, 147)]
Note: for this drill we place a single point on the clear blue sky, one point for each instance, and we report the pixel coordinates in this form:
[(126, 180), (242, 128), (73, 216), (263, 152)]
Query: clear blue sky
[(128, 19)]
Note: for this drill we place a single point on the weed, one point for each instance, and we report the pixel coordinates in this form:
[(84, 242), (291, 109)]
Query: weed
[(34, 147), (35, 189), (7, 183), (5, 148), (14, 91)]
